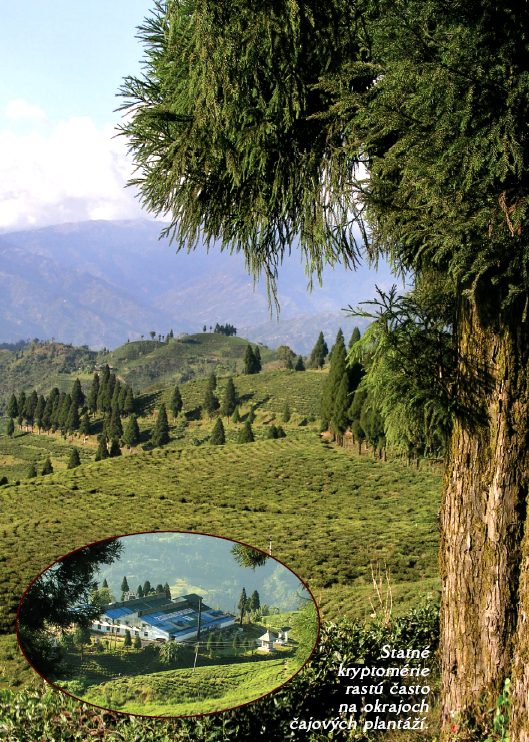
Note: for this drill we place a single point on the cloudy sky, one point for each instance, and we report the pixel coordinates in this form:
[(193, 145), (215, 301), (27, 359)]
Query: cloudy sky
[(62, 64)]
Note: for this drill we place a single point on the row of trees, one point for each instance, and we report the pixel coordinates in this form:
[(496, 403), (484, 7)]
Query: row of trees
[(108, 394)]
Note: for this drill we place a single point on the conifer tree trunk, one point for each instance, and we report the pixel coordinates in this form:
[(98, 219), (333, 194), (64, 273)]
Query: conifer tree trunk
[(484, 554)]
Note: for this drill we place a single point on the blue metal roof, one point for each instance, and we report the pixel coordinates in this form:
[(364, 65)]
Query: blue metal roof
[(118, 612)]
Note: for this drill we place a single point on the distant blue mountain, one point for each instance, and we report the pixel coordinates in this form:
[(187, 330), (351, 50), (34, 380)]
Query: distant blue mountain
[(101, 282)]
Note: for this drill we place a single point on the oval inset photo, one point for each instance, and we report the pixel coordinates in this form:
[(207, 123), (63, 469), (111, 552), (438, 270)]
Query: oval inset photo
[(168, 624)]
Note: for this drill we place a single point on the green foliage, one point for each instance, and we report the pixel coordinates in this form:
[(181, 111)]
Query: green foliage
[(12, 407), (236, 417), (217, 437), (115, 450), (210, 404), (248, 557), (124, 587), (128, 639), (285, 417), (319, 352), (251, 416), (252, 364), (81, 636), (131, 434), (10, 427), (285, 356), (136, 643), (229, 399), (169, 652), (161, 431), (47, 468), (246, 434), (32, 471), (300, 366), (102, 449), (74, 459)]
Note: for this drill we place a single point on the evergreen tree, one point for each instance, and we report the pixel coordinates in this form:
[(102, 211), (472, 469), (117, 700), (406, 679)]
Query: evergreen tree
[(32, 471), (280, 432), (355, 337), (104, 583), (272, 432), (300, 366), (229, 399), (131, 434), (124, 587), (210, 404), (31, 405), (211, 637), (84, 427), (251, 416), (21, 403), (167, 591), (47, 468), (355, 413), (115, 450), (217, 437), (246, 434), (255, 602), (340, 414), (333, 380), (77, 394), (212, 382), (102, 450), (128, 402), (250, 364), (128, 640), (136, 644), (175, 405), (139, 591), (10, 428), (72, 421), (286, 413), (93, 394), (286, 356), (115, 429), (146, 588), (258, 364), (236, 417), (12, 407), (235, 644), (161, 430), (242, 605), (159, 589), (319, 352), (39, 412), (114, 403), (74, 459)]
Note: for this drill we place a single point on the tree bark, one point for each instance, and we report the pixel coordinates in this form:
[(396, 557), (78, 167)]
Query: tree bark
[(484, 555)]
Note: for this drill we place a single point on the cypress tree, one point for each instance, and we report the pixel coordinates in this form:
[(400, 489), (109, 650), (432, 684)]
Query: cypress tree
[(161, 430), (272, 432), (250, 363), (159, 589), (124, 585), (93, 394), (115, 429), (286, 413), (12, 407), (340, 416), (139, 591), (300, 366), (31, 406), (39, 412), (210, 404), (146, 588), (32, 471), (355, 337), (236, 417), (131, 434), (255, 602), (246, 434), (128, 402), (333, 380), (47, 468), (175, 405), (251, 416), (21, 403), (136, 644), (258, 364), (212, 382), (229, 399), (74, 459), (114, 403), (72, 422), (115, 450), (242, 605), (280, 432), (10, 427), (217, 437), (77, 395), (104, 583), (84, 427), (102, 450), (318, 353), (128, 640), (167, 591)]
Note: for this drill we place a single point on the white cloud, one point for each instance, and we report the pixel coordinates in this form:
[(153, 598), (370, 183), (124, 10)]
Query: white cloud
[(20, 109), (74, 173)]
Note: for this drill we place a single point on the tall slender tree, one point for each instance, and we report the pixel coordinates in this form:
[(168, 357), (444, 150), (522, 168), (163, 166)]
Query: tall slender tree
[(161, 430)]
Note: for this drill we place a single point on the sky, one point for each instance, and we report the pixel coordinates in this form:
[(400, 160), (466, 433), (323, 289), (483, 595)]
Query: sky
[(62, 64)]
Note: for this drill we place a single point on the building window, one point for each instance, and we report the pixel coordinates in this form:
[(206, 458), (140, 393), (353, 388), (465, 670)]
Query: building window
[(145, 633)]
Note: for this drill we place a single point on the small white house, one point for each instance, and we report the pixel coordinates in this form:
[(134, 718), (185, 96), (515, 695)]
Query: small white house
[(267, 642)]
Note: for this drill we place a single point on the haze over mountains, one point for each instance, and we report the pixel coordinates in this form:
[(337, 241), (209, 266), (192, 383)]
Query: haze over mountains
[(101, 282)]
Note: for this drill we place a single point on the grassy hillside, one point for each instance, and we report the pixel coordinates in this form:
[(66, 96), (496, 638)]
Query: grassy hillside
[(330, 515), (146, 365)]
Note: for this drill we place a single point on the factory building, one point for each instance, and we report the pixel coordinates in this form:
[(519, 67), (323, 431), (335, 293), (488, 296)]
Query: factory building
[(156, 618)]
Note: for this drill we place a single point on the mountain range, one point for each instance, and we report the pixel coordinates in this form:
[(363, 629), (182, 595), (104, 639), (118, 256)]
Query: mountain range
[(101, 282)]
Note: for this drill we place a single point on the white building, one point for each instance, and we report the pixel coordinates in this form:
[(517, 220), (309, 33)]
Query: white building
[(156, 618)]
